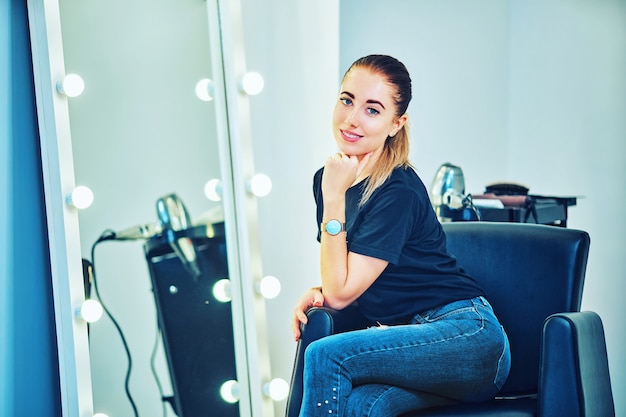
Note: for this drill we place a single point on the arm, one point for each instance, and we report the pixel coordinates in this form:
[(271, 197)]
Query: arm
[(345, 276), (365, 267), (574, 366)]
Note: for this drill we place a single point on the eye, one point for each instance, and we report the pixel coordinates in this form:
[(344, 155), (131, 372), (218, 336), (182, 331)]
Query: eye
[(347, 101), (372, 111)]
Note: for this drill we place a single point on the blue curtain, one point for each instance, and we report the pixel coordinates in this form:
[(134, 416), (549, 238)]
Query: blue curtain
[(29, 368)]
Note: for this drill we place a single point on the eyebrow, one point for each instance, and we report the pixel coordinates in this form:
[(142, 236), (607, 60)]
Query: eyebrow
[(368, 101)]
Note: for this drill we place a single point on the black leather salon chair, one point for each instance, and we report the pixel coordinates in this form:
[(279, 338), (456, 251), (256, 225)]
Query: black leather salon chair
[(533, 276)]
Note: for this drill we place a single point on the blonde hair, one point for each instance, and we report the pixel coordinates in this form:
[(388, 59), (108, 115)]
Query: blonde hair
[(395, 152)]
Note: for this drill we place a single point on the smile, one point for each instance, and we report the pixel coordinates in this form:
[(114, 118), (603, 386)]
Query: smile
[(349, 136)]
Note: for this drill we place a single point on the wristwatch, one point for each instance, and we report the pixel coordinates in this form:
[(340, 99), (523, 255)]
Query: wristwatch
[(333, 227)]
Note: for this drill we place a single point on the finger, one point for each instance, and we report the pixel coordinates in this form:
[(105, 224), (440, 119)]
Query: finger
[(318, 300), (295, 329), (302, 317), (299, 318)]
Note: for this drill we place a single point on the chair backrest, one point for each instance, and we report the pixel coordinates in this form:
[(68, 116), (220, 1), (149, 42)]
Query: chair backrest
[(528, 272)]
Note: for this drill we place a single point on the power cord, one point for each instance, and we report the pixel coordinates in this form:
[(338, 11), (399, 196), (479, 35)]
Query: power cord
[(110, 235), (469, 202)]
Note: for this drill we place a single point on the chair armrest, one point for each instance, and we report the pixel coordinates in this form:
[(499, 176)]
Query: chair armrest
[(322, 321), (574, 372)]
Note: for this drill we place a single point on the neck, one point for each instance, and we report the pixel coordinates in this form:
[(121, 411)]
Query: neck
[(367, 170)]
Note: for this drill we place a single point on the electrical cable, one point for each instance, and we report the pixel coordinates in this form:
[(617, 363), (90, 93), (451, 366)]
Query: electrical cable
[(110, 235), (469, 200)]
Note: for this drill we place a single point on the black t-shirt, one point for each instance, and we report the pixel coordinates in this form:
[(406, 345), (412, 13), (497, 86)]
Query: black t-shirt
[(399, 225)]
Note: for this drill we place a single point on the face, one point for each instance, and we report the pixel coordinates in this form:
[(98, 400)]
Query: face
[(365, 113)]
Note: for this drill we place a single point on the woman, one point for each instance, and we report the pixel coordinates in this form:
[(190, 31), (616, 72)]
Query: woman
[(437, 340)]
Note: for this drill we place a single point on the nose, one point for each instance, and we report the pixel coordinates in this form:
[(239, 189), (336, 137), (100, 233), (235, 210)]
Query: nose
[(351, 117)]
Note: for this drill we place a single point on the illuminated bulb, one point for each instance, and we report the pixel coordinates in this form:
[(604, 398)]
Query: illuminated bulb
[(205, 89), (72, 85), (81, 197), (252, 83), (213, 190), (260, 185), (269, 287), (221, 290), (277, 389), (100, 415), (90, 311), (229, 391)]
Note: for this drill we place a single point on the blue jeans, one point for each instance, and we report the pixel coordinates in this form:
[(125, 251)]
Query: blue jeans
[(458, 352)]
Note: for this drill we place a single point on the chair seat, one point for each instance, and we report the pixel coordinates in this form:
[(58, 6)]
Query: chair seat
[(526, 407)]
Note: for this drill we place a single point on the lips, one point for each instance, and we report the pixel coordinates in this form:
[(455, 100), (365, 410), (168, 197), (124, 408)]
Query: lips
[(350, 136)]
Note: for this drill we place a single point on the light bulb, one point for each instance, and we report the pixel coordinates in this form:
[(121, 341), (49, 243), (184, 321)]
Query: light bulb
[(277, 389), (260, 185), (205, 89), (269, 287), (213, 189), (229, 391), (72, 85), (90, 311), (252, 83), (100, 415), (221, 290), (81, 197)]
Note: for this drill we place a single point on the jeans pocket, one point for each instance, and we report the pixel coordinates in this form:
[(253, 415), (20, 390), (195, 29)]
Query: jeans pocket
[(504, 363)]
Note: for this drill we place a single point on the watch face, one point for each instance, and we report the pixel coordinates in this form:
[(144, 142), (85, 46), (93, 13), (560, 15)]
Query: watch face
[(333, 227)]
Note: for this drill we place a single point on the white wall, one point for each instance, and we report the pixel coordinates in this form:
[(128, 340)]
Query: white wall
[(532, 91), (457, 55), (294, 45), (567, 134)]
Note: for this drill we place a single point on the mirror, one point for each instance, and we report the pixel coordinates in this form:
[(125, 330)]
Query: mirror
[(140, 133)]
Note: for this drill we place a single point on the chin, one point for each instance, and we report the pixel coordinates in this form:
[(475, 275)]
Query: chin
[(350, 148)]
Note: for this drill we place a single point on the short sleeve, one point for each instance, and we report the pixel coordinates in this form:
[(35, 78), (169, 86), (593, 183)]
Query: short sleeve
[(317, 195), (385, 224)]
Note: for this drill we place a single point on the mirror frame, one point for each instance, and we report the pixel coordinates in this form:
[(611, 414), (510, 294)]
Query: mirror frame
[(240, 210), (63, 233)]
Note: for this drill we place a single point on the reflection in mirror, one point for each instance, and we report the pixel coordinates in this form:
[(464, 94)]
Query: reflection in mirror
[(143, 129)]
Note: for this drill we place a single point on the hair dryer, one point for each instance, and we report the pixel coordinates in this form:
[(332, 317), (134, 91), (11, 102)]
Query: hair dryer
[(174, 217), (447, 195)]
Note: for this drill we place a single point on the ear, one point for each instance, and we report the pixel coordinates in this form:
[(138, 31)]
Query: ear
[(398, 124)]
